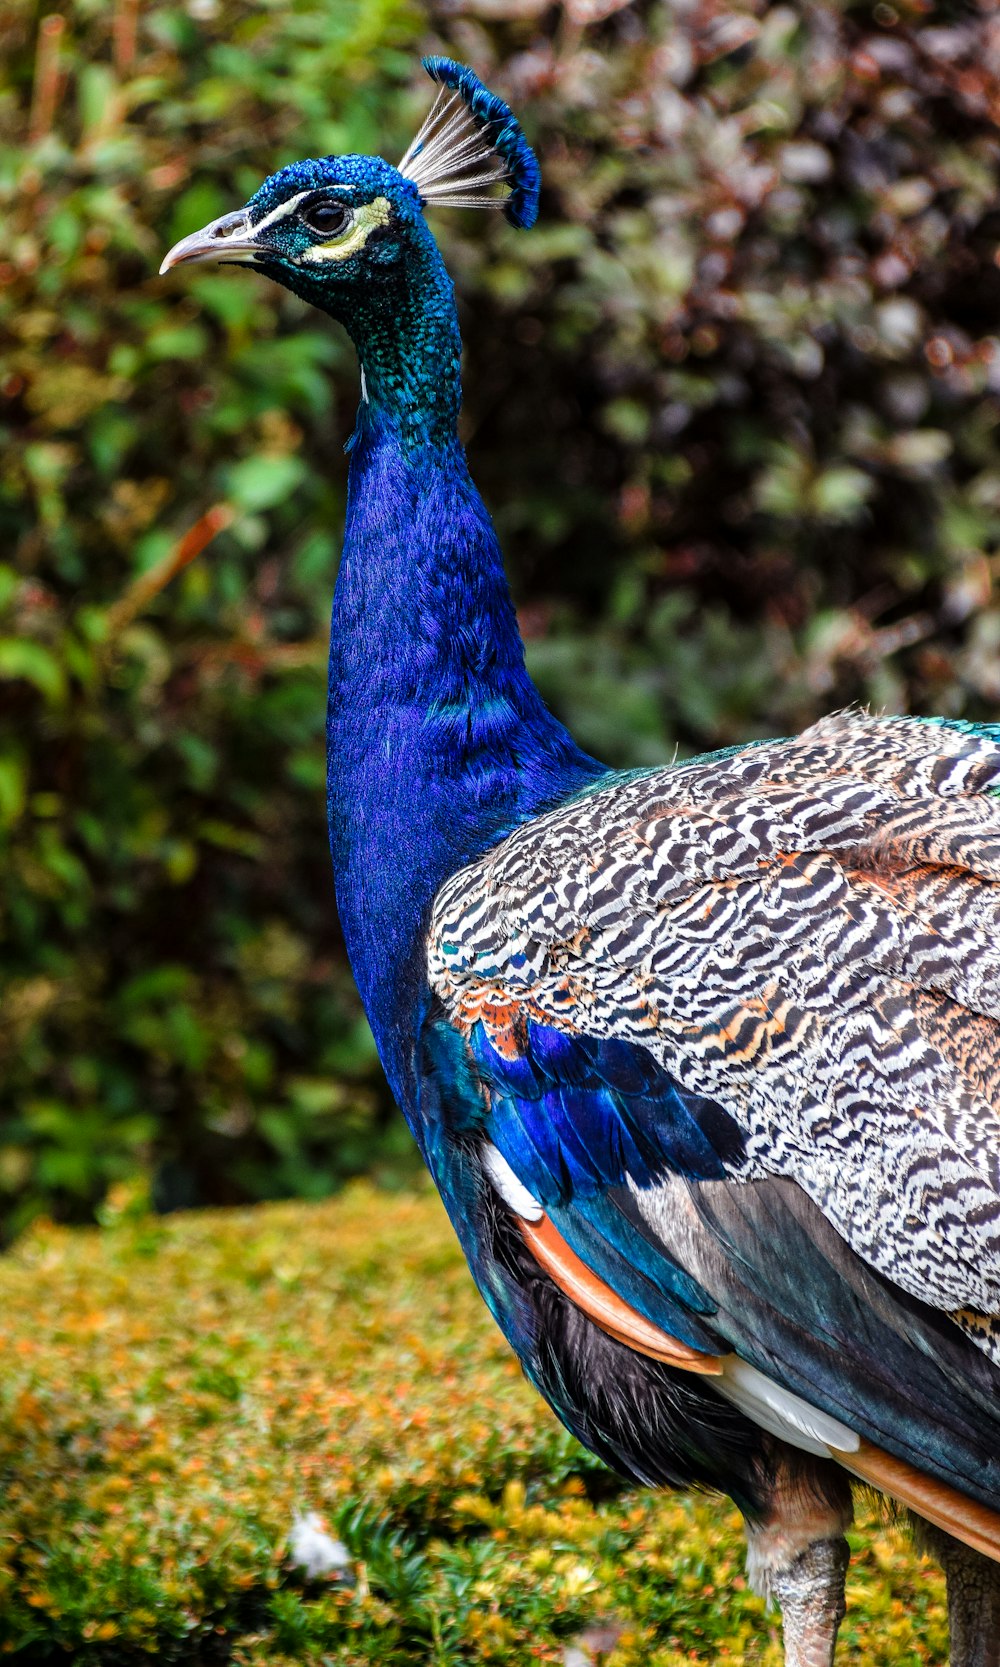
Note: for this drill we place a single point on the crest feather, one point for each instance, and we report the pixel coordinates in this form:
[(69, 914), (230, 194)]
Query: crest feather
[(470, 141)]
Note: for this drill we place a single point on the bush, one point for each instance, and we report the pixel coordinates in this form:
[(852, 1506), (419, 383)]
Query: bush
[(733, 403), (187, 1387)]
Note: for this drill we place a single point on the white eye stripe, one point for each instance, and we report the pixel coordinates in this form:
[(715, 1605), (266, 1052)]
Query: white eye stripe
[(283, 210)]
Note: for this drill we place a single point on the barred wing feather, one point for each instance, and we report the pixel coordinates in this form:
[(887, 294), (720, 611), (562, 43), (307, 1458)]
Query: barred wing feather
[(803, 934), (694, 997)]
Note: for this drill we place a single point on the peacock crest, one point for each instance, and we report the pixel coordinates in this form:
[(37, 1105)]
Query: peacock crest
[(469, 142)]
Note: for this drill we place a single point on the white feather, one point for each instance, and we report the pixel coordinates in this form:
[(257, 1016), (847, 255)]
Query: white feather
[(781, 1413), (443, 158), (515, 1196)]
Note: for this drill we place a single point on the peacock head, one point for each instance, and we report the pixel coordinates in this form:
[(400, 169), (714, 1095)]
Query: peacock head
[(348, 233)]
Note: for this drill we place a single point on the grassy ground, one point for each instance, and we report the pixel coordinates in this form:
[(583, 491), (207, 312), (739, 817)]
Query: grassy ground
[(175, 1391)]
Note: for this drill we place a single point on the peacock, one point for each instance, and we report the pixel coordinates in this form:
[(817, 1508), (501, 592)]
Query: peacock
[(703, 1059)]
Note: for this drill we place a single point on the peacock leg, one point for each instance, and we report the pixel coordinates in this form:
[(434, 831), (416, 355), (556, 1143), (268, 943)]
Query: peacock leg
[(810, 1594), (797, 1556), (973, 1598)]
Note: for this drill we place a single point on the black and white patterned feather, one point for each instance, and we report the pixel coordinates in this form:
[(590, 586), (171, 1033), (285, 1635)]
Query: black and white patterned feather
[(804, 933)]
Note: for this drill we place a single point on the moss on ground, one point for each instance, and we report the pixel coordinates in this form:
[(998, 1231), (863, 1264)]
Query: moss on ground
[(175, 1391)]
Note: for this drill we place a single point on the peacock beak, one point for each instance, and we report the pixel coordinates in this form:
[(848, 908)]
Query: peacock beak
[(228, 240)]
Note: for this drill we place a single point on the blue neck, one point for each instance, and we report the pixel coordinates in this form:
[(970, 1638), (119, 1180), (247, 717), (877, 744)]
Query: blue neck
[(438, 742)]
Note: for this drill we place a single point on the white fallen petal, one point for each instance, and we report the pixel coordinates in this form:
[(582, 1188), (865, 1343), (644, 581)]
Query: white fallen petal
[(311, 1548)]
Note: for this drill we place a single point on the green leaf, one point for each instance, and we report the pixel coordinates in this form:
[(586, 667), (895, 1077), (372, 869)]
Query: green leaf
[(259, 483), (840, 494), (13, 789), (20, 658)]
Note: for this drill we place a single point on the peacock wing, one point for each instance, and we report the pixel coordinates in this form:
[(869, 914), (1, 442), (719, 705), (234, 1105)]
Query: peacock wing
[(733, 1029)]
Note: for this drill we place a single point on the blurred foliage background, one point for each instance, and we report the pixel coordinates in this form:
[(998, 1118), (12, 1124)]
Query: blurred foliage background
[(734, 404)]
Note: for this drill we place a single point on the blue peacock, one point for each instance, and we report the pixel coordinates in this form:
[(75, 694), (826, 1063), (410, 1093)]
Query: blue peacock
[(704, 1060)]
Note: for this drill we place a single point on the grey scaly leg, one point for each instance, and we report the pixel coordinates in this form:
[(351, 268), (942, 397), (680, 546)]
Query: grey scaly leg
[(797, 1556), (973, 1598), (810, 1594)]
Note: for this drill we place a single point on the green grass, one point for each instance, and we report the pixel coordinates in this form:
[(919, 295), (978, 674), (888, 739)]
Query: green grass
[(175, 1391)]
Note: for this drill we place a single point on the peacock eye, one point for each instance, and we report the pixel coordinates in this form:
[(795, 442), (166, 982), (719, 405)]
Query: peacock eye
[(327, 218)]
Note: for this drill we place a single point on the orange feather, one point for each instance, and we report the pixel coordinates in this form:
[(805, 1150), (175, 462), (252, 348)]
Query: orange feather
[(607, 1310)]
